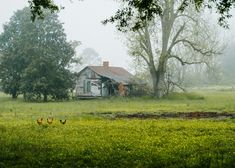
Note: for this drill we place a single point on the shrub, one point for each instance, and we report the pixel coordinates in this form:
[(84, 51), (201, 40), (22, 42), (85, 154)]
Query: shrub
[(183, 96)]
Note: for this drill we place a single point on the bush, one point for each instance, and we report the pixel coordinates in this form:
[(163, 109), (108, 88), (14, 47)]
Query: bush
[(140, 90), (183, 96)]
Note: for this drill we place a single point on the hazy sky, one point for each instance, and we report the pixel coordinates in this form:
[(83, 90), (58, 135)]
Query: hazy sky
[(82, 22)]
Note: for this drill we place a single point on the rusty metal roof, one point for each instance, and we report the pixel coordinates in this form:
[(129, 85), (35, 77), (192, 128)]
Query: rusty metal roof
[(117, 74)]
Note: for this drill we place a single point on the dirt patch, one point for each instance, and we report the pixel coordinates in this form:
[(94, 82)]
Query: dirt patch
[(184, 115)]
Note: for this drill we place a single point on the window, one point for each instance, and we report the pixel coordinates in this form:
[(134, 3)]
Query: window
[(88, 86)]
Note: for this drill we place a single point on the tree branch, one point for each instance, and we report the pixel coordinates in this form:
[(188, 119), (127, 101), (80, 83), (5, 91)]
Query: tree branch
[(175, 37), (181, 7), (185, 62), (178, 85), (193, 46), (145, 44), (188, 16), (146, 60)]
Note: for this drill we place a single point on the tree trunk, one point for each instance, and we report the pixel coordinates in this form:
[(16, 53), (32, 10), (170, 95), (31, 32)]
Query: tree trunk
[(14, 95), (160, 85), (45, 97), (154, 77), (160, 76)]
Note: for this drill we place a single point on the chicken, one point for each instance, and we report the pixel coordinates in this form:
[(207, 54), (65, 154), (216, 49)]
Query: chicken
[(63, 121), (50, 120), (39, 121)]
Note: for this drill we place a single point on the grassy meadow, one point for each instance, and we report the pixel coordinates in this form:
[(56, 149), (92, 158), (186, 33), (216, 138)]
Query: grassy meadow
[(93, 137)]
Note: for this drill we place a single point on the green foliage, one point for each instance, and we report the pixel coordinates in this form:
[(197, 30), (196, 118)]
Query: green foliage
[(35, 57), (37, 7), (12, 60), (127, 18), (148, 8)]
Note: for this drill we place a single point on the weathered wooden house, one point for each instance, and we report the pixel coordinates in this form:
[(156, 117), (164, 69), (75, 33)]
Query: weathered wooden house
[(103, 81)]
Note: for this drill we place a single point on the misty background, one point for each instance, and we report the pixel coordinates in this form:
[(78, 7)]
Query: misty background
[(82, 22)]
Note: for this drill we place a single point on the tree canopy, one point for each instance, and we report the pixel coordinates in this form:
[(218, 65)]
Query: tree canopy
[(142, 10), (148, 9), (35, 57), (37, 7)]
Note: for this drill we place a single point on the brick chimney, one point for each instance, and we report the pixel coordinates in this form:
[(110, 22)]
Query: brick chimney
[(105, 64)]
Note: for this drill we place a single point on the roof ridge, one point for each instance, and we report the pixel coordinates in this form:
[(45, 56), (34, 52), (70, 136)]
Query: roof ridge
[(118, 74), (105, 67)]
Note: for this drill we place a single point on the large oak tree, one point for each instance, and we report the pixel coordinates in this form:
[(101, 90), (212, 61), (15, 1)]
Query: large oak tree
[(175, 36)]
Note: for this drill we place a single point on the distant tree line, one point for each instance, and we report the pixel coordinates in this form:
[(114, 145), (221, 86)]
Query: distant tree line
[(228, 64), (35, 57)]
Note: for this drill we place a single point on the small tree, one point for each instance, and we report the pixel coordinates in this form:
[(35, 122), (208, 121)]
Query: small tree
[(90, 57)]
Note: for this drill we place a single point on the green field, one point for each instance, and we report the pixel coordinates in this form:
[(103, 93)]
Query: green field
[(93, 137)]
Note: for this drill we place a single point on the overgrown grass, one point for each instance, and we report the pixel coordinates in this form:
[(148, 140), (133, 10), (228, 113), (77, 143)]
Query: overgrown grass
[(119, 143), (190, 102), (184, 96), (87, 141)]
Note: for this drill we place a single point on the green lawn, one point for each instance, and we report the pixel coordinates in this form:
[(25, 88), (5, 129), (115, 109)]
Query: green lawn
[(93, 141)]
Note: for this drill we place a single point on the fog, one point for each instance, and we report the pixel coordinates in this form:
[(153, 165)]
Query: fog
[(82, 22)]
